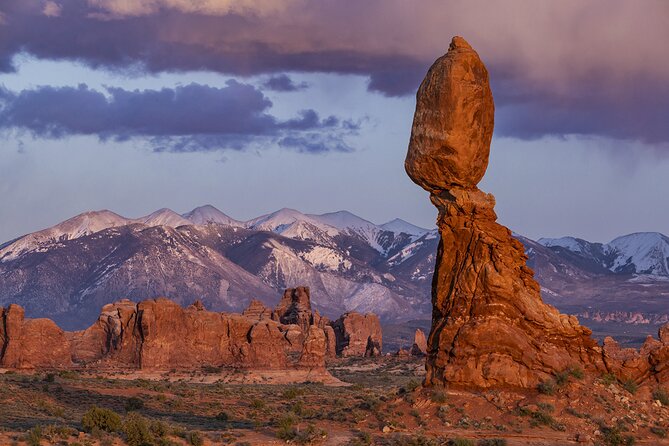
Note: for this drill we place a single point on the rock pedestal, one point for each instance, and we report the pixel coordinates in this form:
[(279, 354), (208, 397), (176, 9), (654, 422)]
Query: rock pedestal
[(489, 324)]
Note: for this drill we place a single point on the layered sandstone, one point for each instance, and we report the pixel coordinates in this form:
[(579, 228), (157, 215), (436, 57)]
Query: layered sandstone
[(358, 335), (489, 324), (295, 308)]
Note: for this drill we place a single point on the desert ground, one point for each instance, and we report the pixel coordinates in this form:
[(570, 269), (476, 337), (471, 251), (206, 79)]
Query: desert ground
[(373, 401)]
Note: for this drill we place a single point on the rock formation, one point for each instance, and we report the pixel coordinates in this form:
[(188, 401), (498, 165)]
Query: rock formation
[(159, 334), (419, 347), (358, 335), (31, 342), (295, 308), (489, 324), (257, 311)]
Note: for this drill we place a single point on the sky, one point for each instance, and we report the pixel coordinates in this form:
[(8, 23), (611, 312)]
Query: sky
[(255, 105)]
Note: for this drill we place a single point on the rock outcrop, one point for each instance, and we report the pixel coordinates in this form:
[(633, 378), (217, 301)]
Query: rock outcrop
[(159, 334), (28, 343), (489, 324), (358, 335), (295, 308), (419, 347)]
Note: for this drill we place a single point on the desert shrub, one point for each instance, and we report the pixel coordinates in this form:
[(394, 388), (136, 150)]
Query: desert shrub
[(134, 403), (257, 404), (492, 442), (661, 395), (49, 378), (34, 436), (286, 428), (562, 378), (195, 439), (361, 438), (411, 440), (291, 393), (460, 442), (103, 419), (309, 435), (608, 379), (136, 431), (222, 417), (53, 432), (438, 397), (659, 431), (615, 436), (547, 387), (412, 385), (577, 372), (630, 386)]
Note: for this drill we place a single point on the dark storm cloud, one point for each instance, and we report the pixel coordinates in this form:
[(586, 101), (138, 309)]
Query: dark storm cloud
[(284, 83), (544, 57), (187, 118)]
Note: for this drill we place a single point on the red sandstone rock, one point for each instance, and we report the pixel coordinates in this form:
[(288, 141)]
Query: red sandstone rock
[(31, 343), (314, 350), (358, 335), (419, 347), (330, 341), (257, 311), (489, 324), (295, 308)]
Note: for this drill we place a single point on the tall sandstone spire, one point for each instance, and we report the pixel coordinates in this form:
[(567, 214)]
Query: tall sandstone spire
[(490, 326)]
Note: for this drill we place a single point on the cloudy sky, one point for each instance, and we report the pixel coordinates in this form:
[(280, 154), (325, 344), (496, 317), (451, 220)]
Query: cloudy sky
[(254, 105)]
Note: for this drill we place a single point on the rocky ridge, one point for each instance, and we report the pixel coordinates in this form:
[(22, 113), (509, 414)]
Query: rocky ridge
[(490, 326), (159, 334)]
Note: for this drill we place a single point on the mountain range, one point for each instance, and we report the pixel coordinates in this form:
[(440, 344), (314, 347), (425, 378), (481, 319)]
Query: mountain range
[(67, 272)]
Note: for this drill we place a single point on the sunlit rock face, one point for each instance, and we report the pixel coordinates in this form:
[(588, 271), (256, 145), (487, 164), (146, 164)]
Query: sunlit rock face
[(489, 324)]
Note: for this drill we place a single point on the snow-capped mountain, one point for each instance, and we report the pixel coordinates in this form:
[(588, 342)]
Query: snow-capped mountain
[(209, 214), (639, 253), (68, 271)]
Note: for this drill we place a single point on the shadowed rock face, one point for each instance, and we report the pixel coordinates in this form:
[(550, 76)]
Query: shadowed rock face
[(489, 324)]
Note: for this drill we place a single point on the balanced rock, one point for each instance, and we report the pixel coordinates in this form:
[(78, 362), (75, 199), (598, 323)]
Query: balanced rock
[(453, 123), (358, 334), (489, 324)]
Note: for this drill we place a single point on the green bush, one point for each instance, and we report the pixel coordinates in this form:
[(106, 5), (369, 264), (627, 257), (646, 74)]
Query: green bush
[(136, 430), (133, 404), (195, 439), (659, 431), (661, 395), (34, 436), (630, 386), (286, 429), (547, 387), (460, 442), (103, 419), (438, 397)]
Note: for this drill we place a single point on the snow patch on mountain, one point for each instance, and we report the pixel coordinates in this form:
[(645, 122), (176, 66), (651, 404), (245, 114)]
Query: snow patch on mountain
[(78, 226), (399, 226), (164, 217), (571, 243), (209, 214)]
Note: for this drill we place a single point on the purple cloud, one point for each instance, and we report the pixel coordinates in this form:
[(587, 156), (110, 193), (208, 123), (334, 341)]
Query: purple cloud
[(282, 82), (187, 118), (543, 59)]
